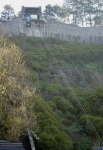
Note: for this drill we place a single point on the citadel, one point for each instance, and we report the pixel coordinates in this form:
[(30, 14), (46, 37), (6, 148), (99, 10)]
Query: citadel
[(31, 24)]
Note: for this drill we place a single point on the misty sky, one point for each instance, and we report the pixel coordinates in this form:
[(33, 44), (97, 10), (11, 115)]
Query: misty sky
[(28, 3)]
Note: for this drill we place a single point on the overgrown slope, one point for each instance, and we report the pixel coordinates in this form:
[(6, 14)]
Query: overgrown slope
[(87, 58), (50, 84)]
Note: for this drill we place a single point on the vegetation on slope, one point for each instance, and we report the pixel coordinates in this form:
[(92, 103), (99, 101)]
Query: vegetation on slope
[(60, 109), (49, 128), (15, 93), (20, 107), (88, 59)]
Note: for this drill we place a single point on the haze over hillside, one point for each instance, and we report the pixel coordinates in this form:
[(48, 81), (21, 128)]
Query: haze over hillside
[(40, 57), (50, 88)]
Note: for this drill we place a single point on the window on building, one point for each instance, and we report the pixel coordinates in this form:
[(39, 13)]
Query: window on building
[(33, 17)]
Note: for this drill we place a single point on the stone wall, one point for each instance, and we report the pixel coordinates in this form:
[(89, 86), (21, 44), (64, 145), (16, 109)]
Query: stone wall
[(71, 33), (84, 35), (18, 26)]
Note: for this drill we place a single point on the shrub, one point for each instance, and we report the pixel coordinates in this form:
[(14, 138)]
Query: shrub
[(67, 122), (69, 116), (33, 77), (62, 104), (48, 132)]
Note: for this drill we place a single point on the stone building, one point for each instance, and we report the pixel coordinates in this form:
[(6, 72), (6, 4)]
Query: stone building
[(34, 12), (31, 14)]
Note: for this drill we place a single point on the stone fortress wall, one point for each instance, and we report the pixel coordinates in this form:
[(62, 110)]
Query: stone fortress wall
[(71, 33)]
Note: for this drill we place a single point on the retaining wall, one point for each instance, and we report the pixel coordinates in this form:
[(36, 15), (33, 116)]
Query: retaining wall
[(71, 33)]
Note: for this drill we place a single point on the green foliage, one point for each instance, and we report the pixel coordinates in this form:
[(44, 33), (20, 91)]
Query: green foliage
[(55, 13), (15, 93), (38, 59), (33, 77), (88, 101), (50, 135), (67, 122), (56, 142), (55, 89), (89, 59), (66, 91), (53, 105), (3, 128), (62, 104), (59, 112), (80, 54), (35, 61), (69, 116), (86, 144), (97, 122), (26, 43)]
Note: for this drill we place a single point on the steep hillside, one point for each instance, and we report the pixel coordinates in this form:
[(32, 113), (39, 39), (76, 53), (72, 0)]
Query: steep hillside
[(49, 80), (21, 108), (87, 58)]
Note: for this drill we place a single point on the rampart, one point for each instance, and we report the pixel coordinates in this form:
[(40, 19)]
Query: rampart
[(83, 35)]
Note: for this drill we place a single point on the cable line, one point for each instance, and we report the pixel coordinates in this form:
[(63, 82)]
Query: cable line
[(83, 79), (81, 127), (74, 95)]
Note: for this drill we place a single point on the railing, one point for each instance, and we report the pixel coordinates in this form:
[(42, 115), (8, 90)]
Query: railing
[(32, 145)]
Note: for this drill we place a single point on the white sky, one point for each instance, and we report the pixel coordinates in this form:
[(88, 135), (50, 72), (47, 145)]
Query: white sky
[(17, 4)]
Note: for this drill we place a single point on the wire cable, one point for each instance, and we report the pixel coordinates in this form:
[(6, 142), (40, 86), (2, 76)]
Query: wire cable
[(83, 79), (74, 95), (81, 127)]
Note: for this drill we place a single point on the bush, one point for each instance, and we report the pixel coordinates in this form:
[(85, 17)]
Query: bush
[(66, 122), (59, 113), (86, 144), (48, 132), (69, 116), (55, 89), (97, 123), (33, 77), (54, 142), (53, 105), (62, 104)]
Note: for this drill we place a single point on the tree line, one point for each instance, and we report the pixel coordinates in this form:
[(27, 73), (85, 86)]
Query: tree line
[(77, 12), (8, 13), (87, 12)]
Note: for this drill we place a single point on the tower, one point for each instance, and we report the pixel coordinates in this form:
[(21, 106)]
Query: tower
[(31, 14)]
